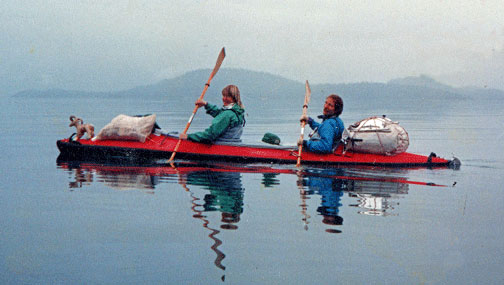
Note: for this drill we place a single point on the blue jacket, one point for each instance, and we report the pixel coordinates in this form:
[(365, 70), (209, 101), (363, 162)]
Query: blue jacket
[(327, 134)]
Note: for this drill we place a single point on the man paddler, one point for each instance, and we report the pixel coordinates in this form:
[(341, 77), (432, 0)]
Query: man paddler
[(326, 135)]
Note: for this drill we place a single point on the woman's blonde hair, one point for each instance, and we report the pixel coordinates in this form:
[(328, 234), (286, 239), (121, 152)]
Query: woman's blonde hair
[(233, 92)]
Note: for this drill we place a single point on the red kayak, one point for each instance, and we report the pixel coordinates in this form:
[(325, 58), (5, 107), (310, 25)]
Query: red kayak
[(161, 147)]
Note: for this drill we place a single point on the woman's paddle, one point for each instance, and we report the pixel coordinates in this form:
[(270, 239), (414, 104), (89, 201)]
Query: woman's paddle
[(220, 59), (303, 123)]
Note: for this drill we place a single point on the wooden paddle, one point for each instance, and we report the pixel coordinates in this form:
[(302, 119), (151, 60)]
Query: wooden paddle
[(303, 123), (220, 59)]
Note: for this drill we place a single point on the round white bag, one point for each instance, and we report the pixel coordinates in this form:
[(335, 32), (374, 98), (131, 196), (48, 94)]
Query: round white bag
[(377, 135)]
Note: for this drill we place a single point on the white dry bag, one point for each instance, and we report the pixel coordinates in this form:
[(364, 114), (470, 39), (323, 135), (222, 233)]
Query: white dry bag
[(124, 127), (377, 135)]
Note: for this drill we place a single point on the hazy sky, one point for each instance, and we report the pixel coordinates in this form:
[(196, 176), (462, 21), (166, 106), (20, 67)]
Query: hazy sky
[(111, 45)]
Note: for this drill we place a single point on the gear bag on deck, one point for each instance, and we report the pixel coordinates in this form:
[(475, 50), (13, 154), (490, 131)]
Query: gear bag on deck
[(124, 127), (377, 135)]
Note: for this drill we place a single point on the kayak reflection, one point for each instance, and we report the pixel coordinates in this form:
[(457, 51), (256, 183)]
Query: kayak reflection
[(321, 190), (374, 193)]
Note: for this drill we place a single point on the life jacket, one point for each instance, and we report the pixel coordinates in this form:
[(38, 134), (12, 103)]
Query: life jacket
[(314, 135), (232, 133)]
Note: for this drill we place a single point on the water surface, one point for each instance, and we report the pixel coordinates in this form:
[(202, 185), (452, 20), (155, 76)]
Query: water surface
[(69, 222)]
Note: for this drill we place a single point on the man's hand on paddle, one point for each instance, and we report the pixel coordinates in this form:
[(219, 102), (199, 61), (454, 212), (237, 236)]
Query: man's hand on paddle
[(303, 118)]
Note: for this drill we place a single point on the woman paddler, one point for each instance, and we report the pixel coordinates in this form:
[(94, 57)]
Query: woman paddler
[(228, 122)]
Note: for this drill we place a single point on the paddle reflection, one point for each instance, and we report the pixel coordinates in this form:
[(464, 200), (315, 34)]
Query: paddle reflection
[(226, 197)]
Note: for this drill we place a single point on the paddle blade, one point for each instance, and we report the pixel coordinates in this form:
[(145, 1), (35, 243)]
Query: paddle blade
[(308, 93), (220, 59)]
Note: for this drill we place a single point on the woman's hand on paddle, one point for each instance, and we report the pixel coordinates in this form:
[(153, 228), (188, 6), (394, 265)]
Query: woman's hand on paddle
[(200, 103), (183, 136), (303, 118), (300, 141)]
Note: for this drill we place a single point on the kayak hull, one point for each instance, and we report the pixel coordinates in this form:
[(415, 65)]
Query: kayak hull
[(162, 146)]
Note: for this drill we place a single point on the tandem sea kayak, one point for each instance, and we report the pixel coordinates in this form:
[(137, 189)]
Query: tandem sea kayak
[(161, 146)]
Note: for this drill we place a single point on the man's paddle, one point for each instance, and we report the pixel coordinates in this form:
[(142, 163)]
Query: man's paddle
[(220, 59), (303, 123)]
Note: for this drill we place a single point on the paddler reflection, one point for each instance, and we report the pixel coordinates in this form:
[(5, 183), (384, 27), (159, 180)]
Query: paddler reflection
[(225, 194), (330, 189)]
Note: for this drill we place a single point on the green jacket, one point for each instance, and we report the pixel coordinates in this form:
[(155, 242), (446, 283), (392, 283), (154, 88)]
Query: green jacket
[(224, 120)]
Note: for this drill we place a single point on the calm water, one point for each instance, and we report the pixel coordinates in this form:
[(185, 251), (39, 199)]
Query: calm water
[(67, 222)]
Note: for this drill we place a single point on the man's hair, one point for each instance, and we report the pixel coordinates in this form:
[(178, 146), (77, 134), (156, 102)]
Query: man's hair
[(338, 104)]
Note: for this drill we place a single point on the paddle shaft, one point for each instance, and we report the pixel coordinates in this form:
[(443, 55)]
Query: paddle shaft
[(220, 59), (303, 123), (300, 146)]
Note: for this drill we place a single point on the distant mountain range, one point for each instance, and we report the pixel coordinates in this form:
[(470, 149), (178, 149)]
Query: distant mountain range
[(260, 89)]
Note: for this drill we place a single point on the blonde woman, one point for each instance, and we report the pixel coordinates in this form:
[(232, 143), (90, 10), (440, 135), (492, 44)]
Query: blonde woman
[(228, 122)]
